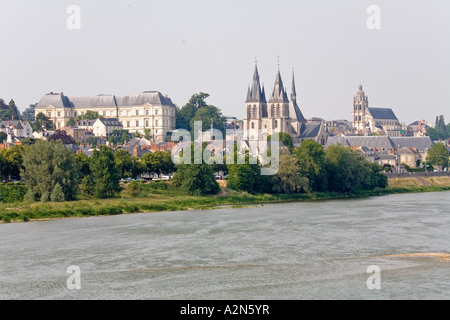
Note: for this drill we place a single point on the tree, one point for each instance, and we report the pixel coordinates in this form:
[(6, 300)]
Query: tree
[(42, 122), (57, 194), (288, 178), (129, 166), (438, 155), (14, 161), (63, 136), (71, 122), (311, 159), (89, 115), (285, 139), (28, 141), (148, 134), (3, 136), (159, 162), (198, 110), (243, 176), (46, 164), (83, 163), (9, 111), (195, 179), (105, 176), (29, 113)]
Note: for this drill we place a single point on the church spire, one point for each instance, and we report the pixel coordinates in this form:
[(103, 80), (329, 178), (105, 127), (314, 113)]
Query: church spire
[(279, 93), (293, 93), (255, 93)]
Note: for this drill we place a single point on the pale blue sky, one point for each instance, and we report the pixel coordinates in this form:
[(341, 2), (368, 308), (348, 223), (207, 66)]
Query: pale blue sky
[(184, 47)]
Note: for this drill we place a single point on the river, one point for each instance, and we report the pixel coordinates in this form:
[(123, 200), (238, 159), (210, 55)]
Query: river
[(295, 250)]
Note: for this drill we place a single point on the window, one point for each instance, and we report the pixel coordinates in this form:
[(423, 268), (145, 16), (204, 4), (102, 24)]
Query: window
[(59, 113), (137, 123), (75, 114), (276, 124), (146, 112), (156, 123), (128, 124), (137, 112), (146, 122), (104, 113), (49, 114), (253, 125), (156, 112)]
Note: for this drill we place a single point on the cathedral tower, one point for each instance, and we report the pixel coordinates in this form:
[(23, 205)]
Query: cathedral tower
[(360, 110)]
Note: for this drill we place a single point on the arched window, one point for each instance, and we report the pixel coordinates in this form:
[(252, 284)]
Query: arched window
[(255, 114), (249, 112), (272, 111), (276, 124), (253, 125), (278, 110)]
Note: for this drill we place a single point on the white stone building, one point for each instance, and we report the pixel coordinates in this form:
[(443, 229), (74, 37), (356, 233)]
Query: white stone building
[(147, 110)]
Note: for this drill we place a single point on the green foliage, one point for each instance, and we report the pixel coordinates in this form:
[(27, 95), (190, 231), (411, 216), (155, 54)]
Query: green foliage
[(285, 139), (12, 162), (103, 181), (119, 137), (195, 179), (83, 163), (198, 110), (12, 193), (348, 171), (71, 122), (9, 111), (441, 131), (29, 113), (46, 164), (289, 178), (3, 136), (438, 155), (311, 158), (128, 165), (89, 115), (57, 194), (42, 122), (159, 162)]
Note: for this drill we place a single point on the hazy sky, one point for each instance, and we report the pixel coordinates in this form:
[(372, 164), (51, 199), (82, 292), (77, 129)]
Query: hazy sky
[(184, 47)]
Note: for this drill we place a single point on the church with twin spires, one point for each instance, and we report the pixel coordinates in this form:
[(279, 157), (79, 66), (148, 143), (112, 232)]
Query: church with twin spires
[(278, 114)]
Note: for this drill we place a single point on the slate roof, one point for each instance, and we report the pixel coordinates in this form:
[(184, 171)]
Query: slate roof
[(384, 142), (110, 121), (382, 113), (420, 143), (59, 100), (255, 93), (309, 130), (279, 93)]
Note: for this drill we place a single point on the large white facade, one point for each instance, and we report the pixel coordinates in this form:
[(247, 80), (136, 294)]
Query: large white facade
[(147, 110)]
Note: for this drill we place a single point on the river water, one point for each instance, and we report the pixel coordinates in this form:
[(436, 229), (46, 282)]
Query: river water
[(297, 250)]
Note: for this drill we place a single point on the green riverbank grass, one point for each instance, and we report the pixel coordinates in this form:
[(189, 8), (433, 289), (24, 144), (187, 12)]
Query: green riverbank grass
[(169, 200)]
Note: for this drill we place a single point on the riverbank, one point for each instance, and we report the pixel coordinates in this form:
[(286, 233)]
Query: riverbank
[(173, 201)]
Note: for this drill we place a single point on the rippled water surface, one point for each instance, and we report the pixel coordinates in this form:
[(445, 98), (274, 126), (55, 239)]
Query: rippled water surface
[(298, 250)]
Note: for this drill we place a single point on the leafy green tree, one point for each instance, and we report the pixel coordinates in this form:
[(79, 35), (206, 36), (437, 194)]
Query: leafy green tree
[(42, 122), (91, 140), (89, 115), (288, 178), (9, 111), (195, 179), (244, 176), (285, 139), (103, 182), (71, 122), (198, 110), (29, 113), (46, 164), (129, 166), (148, 134), (83, 163), (3, 136), (311, 159), (159, 162), (57, 194), (14, 161), (438, 155), (28, 141)]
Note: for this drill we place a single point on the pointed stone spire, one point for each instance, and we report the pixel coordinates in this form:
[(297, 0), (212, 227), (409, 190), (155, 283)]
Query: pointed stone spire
[(293, 92), (255, 94), (278, 94)]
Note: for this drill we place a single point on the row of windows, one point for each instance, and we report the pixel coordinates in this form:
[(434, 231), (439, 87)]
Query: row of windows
[(165, 122), (109, 113), (252, 112), (275, 125)]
